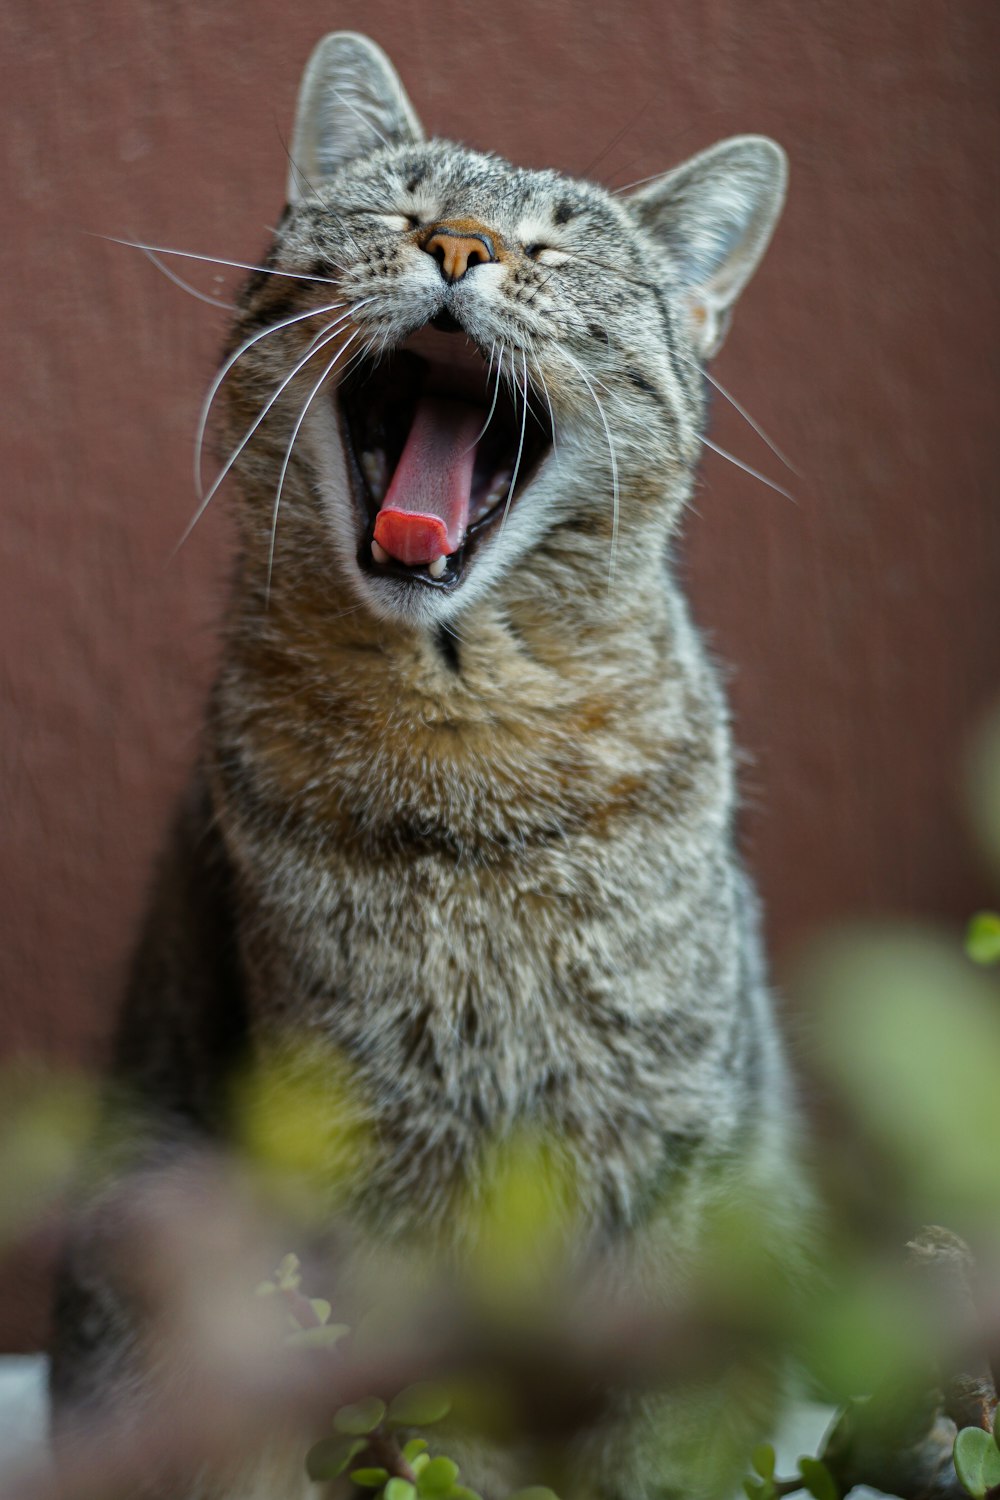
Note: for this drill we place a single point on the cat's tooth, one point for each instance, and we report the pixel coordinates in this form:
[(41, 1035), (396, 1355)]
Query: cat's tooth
[(437, 567), (379, 553)]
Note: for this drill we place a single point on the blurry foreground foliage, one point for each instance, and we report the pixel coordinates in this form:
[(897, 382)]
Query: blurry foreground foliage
[(904, 1032)]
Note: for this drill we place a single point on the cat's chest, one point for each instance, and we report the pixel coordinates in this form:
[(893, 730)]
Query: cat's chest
[(469, 1002)]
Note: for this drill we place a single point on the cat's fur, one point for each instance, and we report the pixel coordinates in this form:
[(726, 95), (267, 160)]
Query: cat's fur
[(479, 839)]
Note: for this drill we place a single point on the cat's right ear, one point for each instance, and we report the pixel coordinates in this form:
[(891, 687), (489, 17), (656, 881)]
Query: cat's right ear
[(351, 103), (715, 216)]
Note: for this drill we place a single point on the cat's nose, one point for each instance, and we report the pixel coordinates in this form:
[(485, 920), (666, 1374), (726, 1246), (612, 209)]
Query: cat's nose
[(457, 247)]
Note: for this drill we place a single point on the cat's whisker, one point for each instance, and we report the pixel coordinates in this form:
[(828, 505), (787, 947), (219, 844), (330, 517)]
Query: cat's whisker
[(749, 469), (639, 181), (548, 401), (206, 407), (337, 323), (230, 461), (186, 286), (216, 260), (520, 444), (493, 406), (614, 465), (368, 123), (749, 419), (288, 453)]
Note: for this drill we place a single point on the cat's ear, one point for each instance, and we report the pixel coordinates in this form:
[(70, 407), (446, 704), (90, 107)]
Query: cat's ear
[(351, 103), (715, 215)]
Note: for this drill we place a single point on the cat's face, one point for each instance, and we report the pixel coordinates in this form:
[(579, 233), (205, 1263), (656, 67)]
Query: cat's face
[(479, 367)]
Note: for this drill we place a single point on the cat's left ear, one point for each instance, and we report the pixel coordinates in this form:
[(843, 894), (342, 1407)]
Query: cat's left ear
[(715, 215), (351, 103)]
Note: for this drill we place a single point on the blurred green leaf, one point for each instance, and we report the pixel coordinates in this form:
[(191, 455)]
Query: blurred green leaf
[(818, 1480), (400, 1489), (866, 1330), (759, 1489), (535, 1492), (977, 1461), (300, 1123), (437, 1477), (369, 1479), (414, 1448), (420, 1405), (982, 939), (763, 1460), (321, 1308), (317, 1338), (912, 1034), (45, 1120), (331, 1456), (520, 1221), (360, 1418)]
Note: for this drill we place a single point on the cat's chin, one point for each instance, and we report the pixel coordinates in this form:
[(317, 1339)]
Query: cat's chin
[(441, 442)]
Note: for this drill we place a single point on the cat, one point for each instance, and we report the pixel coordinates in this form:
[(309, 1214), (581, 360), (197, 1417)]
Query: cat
[(465, 808)]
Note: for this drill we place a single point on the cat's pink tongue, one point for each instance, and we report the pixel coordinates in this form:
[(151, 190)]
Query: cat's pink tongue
[(426, 507)]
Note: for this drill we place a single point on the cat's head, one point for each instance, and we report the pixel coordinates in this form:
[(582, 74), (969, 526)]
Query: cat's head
[(468, 370)]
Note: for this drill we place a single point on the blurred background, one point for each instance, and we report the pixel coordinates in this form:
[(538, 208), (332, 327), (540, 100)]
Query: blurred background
[(858, 624)]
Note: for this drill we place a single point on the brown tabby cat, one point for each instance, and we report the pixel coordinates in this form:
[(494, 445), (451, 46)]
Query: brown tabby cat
[(465, 808)]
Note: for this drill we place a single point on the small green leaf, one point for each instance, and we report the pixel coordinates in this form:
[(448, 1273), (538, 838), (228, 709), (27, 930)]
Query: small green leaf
[(361, 1418), (437, 1477), (330, 1457), (758, 1489), (818, 1480), (400, 1489), (317, 1338), (370, 1479), (762, 1459), (321, 1308), (420, 1405), (977, 1461), (982, 938), (419, 1464), (534, 1492), (414, 1448), (461, 1493)]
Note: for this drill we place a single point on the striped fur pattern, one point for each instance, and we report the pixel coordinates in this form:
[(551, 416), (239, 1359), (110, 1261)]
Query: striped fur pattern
[(480, 840)]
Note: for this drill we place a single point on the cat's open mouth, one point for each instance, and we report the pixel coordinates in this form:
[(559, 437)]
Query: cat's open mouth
[(439, 448)]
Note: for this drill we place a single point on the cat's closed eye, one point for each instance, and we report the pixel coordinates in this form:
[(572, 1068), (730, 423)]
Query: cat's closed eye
[(546, 255)]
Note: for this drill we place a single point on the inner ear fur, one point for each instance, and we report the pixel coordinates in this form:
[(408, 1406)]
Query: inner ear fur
[(351, 103), (715, 215)]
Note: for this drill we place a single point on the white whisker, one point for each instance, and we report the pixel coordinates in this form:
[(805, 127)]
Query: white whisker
[(206, 499), (493, 405), (520, 443), (749, 419), (368, 123), (614, 465), (215, 260), (748, 469), (186, 286), (288, 453), (548, 402), (213, 389), (638, 182)]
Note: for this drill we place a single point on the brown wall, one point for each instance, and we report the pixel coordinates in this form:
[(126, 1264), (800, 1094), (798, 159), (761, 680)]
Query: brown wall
[(860, 622)]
